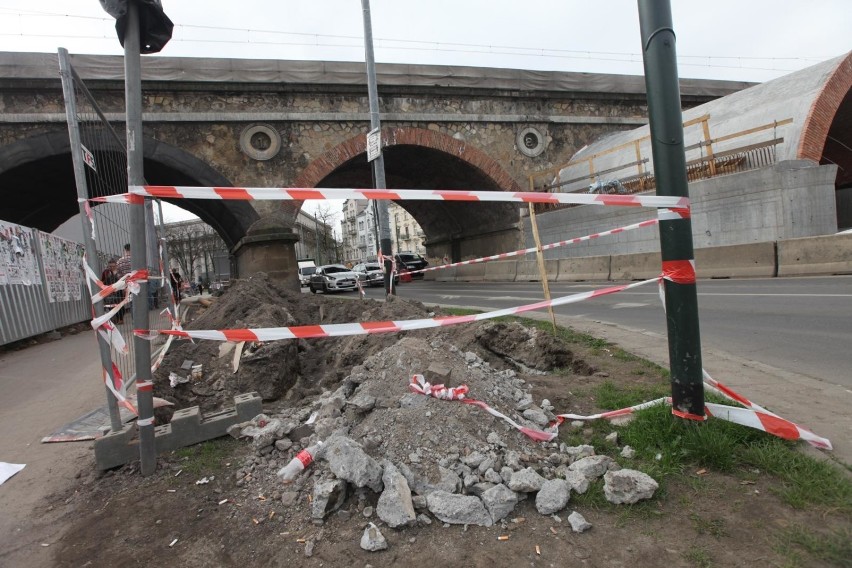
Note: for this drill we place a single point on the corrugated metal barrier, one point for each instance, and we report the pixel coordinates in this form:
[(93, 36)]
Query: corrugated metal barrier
[(41, 283)]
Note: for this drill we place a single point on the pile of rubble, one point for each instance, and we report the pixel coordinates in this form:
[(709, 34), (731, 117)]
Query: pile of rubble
[(344, 409), (425, 458)]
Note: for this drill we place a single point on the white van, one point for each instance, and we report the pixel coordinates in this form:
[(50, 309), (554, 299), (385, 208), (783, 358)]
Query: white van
[(306, 268)]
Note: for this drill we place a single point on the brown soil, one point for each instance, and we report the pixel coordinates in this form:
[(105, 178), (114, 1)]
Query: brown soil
[(244, 516)]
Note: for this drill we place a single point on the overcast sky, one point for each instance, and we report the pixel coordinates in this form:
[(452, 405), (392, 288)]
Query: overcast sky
[(748, 40)]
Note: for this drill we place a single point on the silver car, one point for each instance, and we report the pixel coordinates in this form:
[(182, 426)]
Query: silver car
[(371, 274), (332, 278)]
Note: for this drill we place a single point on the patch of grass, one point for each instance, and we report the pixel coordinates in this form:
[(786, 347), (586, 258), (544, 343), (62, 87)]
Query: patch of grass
[(713, 527), (610, 396), (807, 481), (698, 556), (206, 457), (833, 548)]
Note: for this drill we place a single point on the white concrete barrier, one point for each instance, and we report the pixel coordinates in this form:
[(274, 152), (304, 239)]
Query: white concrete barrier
[(584, 268), (528, 270), (501, 271), (815, 255), (752, 260)]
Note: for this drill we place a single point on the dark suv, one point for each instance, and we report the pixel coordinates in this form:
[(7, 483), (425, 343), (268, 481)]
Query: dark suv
[(410, 261)]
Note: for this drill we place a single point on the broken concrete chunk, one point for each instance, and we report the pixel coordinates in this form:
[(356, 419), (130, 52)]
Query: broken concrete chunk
[(577, 452), (536, 415), (395, 507), (372, 539), (413, 400), (578, 522), (628, 486), (612, 438), (348, 461), (362, 402), (526, 481), (473, 459), (328, 497), (263, 430), (458, 509), (438, 374), (592, 466), (578, 482), (283, 444), (552, 497), (628, 452), (499, 501)]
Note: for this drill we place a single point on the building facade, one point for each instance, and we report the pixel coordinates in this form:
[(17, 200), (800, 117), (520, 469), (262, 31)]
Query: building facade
[(359, 228)]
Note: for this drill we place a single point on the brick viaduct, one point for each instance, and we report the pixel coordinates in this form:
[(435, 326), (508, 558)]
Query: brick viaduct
[(259, 123)]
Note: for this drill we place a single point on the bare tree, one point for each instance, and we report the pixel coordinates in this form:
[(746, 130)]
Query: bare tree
[(328, 248), (191, 245)]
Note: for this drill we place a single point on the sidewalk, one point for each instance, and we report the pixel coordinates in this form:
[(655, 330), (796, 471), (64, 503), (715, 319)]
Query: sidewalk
[(44, 387)]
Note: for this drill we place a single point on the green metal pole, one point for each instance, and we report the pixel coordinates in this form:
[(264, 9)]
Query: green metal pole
[(666, 123)]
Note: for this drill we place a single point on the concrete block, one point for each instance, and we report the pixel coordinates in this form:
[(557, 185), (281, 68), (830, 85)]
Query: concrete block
[(815, 255), (528, 270), (501, 271), (641, 266), (470, 272), (186, 428), (446, 274), (736, 261), (584, 268)]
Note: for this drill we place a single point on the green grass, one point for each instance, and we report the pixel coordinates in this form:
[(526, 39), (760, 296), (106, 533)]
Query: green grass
[(698, 556), (831, 549), (713, 527), (206, 457)]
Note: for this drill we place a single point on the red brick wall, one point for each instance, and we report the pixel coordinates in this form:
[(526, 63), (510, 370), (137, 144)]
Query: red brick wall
[(823, 110)]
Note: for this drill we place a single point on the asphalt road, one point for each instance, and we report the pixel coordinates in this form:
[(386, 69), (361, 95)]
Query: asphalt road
[(801, 325)]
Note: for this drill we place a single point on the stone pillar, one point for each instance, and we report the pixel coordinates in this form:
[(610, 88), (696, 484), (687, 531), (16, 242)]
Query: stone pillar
[(269, 246)]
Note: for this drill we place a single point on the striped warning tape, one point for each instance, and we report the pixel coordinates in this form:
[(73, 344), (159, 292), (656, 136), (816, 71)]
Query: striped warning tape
[(136, 192), (364, 328), (648, 223)]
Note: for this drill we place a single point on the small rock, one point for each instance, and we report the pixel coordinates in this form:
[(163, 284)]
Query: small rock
[(309, 548), (579, 483), (372, 539), (628, 452), (395, 507), (552, 497), (628, 486), (536, 415), (283, 444), (499, 501), (612, 438), (495, 440), (458, 509), (592, 466), (348, 461), (526, 481), (578, 523), (424, 519), (367, 512)]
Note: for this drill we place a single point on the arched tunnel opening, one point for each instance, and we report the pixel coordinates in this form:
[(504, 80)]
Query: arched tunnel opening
[(40, 191), (455, 229)]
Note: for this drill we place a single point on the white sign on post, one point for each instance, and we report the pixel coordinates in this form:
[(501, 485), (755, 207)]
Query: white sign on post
[(88, 158), (374, 144)]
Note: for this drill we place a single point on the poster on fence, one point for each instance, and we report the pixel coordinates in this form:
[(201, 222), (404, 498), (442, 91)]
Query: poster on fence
[(18, 257), (61, 260)]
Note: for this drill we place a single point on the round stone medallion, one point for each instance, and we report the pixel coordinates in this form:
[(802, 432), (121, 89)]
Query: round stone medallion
[(530, 142), (260, 141)]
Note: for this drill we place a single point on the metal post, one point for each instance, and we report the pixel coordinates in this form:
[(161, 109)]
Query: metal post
[(135, 176), (83, 193), (666, 124), (383, 220)]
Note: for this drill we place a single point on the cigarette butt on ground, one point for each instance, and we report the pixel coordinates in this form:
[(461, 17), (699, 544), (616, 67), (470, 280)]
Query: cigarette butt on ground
[(503, 537), (537, 550)]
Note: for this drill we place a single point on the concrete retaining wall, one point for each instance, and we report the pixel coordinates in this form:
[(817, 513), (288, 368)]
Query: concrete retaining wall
[(586, 268), (816, 255), (470, 272), (501, 270), (737, 261), (635, 266), (528, 270)]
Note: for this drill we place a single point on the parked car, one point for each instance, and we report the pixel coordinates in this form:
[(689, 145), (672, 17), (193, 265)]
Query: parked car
[(332, 278), (410, 261), (371, 274)]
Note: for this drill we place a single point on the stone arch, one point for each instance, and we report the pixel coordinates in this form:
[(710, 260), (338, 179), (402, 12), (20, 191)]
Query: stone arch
[(323, 166), (823, 111), (417, 158), (164, 165)]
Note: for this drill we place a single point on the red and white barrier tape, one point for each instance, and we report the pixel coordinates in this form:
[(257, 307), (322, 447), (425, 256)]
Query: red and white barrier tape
[(364, 328), (754, 417), (112, 336), (136, 192), (418, 384), (87, 209), (649, 223)]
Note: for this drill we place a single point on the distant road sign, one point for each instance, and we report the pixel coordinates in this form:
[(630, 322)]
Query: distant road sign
[(88, 158), (374, 144)]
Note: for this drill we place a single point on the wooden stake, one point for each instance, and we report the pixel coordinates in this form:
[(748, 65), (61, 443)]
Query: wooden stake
[(541, 269)]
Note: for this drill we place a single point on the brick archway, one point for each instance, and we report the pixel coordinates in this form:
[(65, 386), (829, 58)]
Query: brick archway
[(823, 111), (323, 166)]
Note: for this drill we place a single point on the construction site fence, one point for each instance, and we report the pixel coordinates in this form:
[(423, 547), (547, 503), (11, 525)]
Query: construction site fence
[(42, 285)]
